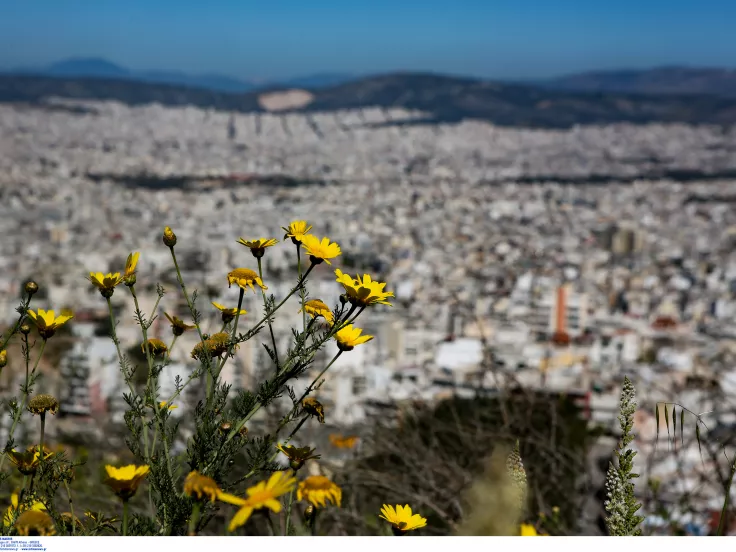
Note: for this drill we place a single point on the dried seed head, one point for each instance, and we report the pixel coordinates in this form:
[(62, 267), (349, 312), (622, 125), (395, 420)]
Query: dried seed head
[(40, 404)]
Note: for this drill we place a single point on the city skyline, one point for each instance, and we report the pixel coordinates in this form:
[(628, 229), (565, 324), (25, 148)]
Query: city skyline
[(493, 40)]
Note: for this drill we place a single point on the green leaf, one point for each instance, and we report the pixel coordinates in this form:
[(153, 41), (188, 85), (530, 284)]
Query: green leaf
[(656, 415), (697, 436), (667, 419), (682, 426), (674, 423)]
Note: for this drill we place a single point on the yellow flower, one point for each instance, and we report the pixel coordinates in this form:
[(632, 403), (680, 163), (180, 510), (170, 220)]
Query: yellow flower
[(296, 231), (130, 265), (14, 507), (314, 407), (214, 346), (228, 315), (315, 308), (156, 346), (178, 326), (319, 251), (244, 277), (349, 337), (3, 358), (263, 495), (363, 292), (35, 523), (169, 238), (297, 456), (200, 486), (43, 403), (338, 441), (164, 404), (258, 247), (47, 323), (125, 481), (318, 490), (28, 461), (527, 530), (106, 283), (402, 519)]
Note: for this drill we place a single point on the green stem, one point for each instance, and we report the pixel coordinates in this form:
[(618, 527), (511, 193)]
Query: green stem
[(40, 444), (24, 401), (231, 347), (18, 323), (270, 326), (288, 510), (193, 520), (71, 506), (301, 288), (726, 500), (125, 518)]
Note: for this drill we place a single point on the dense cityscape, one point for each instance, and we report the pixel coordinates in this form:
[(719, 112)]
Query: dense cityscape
[(564, 259)]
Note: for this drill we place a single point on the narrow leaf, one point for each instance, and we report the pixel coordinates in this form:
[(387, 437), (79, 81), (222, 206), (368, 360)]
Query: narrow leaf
[(697, 436), (667, 419), (674, 424), (656, 415), (682, 426)]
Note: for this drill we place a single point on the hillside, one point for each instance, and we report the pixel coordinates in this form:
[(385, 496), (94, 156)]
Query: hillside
[(661, 80), (445, 99)]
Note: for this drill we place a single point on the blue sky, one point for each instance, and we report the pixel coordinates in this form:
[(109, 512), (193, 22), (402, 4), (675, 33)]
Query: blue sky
[(279, 38)]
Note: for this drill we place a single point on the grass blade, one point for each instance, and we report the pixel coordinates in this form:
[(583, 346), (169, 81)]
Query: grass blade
[(656, 416), (697, 436), (682, 426)]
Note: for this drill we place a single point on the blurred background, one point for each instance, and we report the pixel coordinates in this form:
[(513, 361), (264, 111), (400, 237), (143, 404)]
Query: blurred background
[(547, 187)]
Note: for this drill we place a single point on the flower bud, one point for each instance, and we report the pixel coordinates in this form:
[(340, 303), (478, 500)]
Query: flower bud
[(343, 299), (130, 280), (31, 288), (169, 237), (25, 329), (3, 358), (225, 427)]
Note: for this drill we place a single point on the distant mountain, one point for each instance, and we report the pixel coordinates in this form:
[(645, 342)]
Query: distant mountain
[(101, 68), (660, 80), (443, 98)]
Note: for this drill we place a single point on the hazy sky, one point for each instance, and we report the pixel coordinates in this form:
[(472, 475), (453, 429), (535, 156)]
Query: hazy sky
[(278, 38)]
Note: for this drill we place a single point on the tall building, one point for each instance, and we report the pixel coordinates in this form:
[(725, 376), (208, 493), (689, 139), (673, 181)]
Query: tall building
[(559, 310)]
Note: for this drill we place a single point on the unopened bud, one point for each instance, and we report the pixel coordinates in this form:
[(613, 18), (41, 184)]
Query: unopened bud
[(3, 358), (31, 288), (25, 329), (343, 299), (225, 427), (129, 280), (169, 237)]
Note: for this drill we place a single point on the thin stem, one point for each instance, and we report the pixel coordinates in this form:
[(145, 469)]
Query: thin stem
[(265, 306), (231, 347), (319, 376), (301, 288), (40, 444), (71, 506), (26, 391), (726, 501), (125, 518), (193, 520), (288, 510), (18, 323)]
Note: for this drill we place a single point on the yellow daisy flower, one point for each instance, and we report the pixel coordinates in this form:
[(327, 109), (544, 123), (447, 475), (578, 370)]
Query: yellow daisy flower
[(363, 292), (319, 251), (349, 337), (14, 506), (28, 461), (528, 530), (178, 326), (125, 481), (200, 486), (214, 346), (32, 523), (244, 277), (106, 283), (315, 308), (4, 358), (130, 265), (338, 441), (297, 456), (47, 323), (167, 406), (258, 247), (263, 495), (156, 346), (43, 403), (314, 407), (402, 519), (296, 231), (228, 315), (318, 490)]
